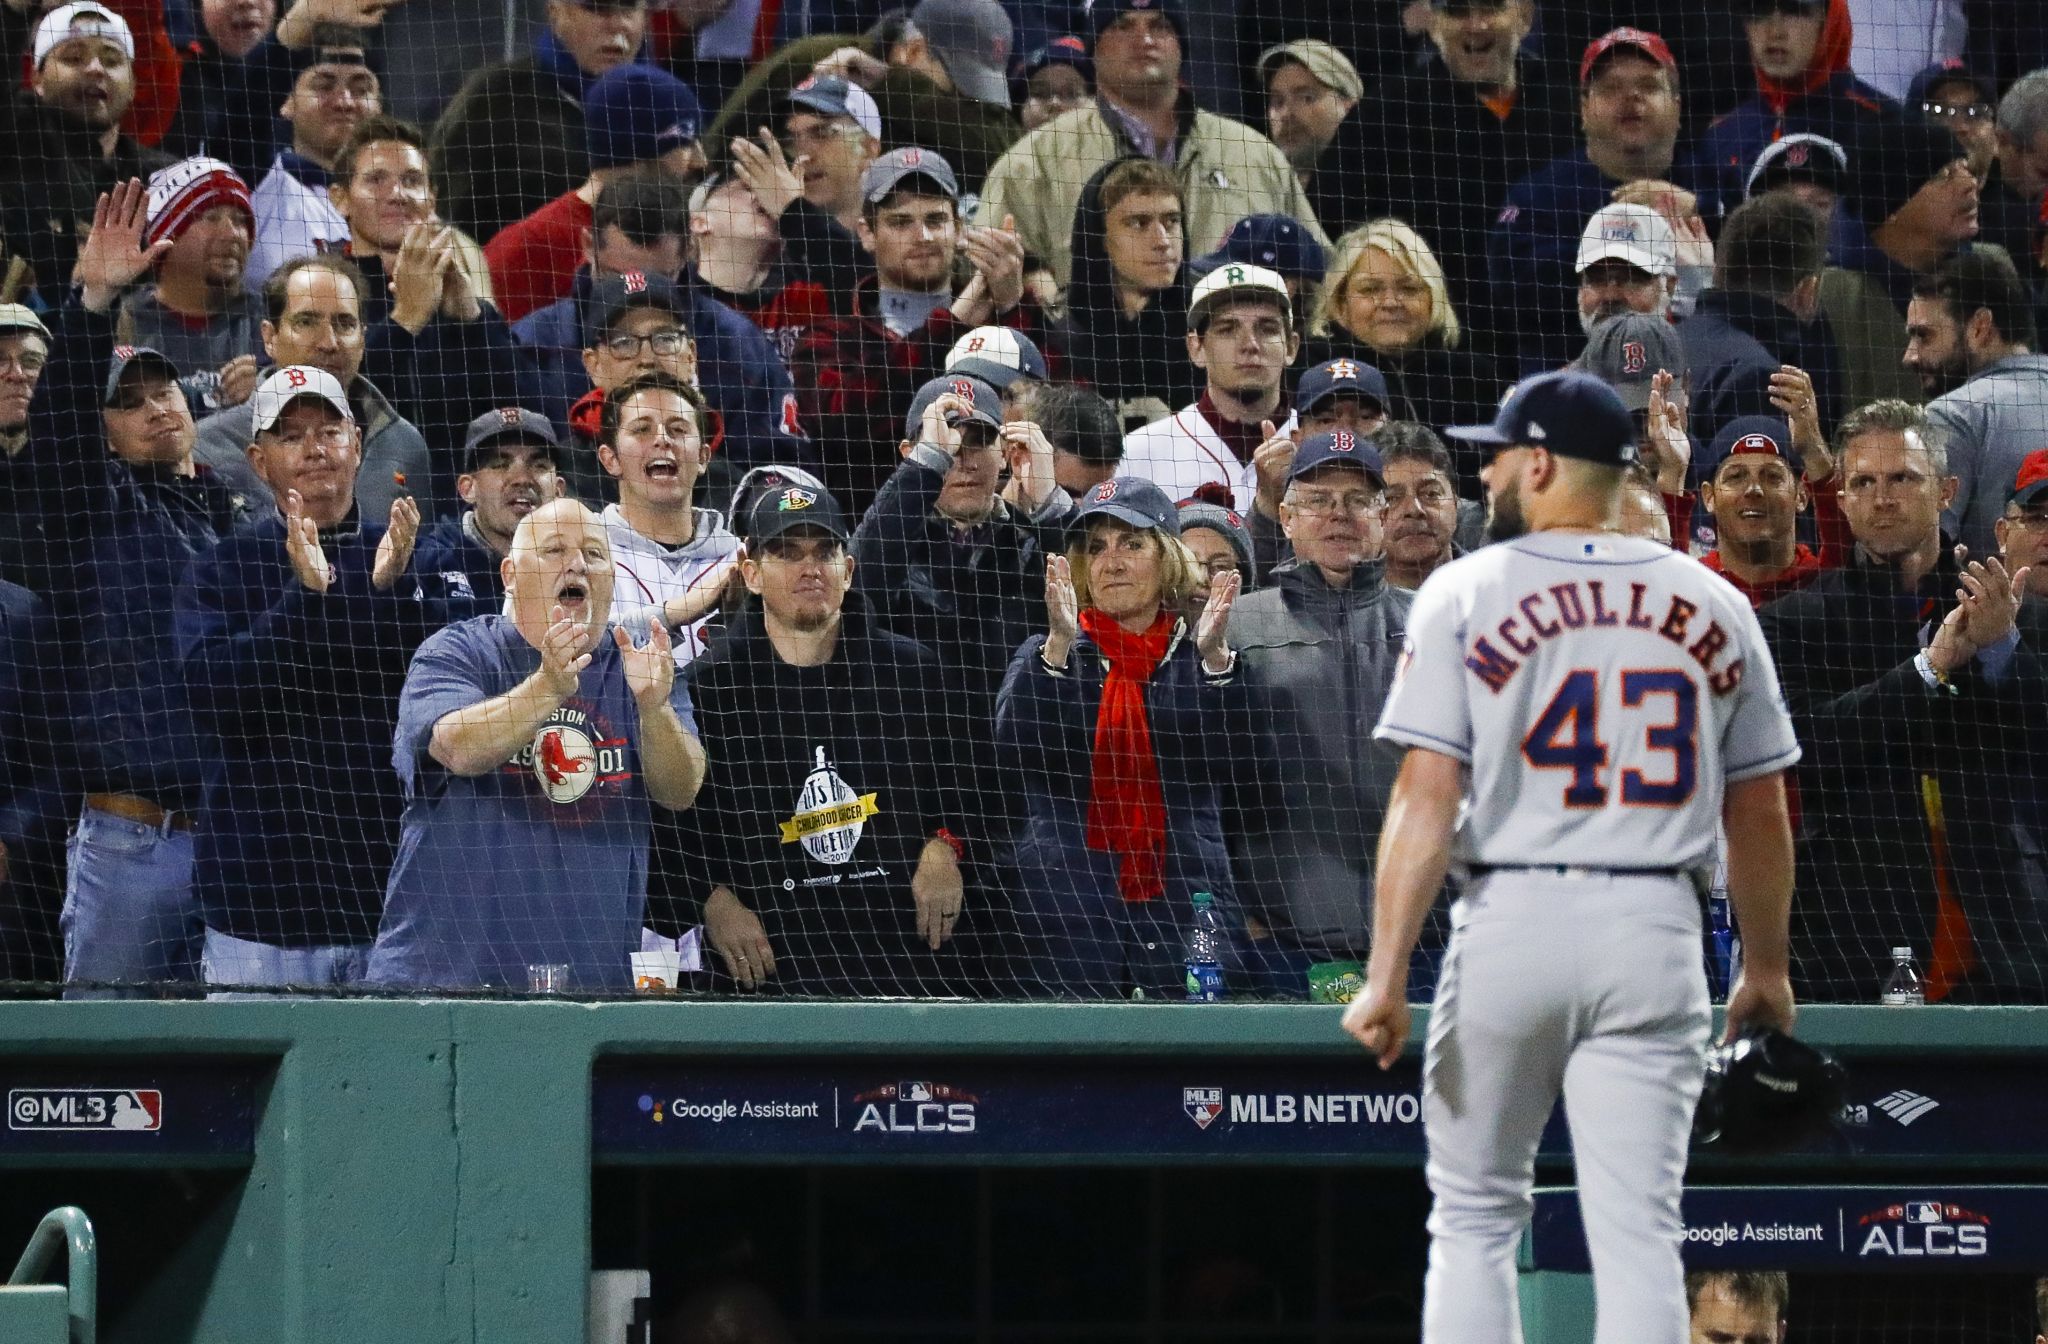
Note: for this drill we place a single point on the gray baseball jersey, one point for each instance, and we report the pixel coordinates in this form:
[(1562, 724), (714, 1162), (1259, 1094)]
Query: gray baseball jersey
[(1602, 690)]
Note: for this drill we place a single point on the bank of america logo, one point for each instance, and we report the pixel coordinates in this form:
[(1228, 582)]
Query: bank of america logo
[(1906, 1107)]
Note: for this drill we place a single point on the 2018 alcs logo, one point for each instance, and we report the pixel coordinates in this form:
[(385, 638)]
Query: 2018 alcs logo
[(916, 1108), (1924, 1227)]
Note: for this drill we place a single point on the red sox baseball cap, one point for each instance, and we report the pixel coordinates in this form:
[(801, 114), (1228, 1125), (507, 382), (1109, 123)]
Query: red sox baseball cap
[(1339, 447), (2030, 486), (1638, 40), (1129, 499), (496, 426), (138, 356), (987, 403), (286, 385)]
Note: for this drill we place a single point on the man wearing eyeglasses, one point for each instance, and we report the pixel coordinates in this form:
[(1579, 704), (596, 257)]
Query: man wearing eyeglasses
[(1319, 648), (24, 349), (1949, 95)]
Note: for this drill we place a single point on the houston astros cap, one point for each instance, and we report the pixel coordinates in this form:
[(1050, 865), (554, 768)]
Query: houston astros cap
[(891, 170), (998, 356), (779, 511), (286, 385), (142, 355), (1129, 499), (1800, 157), (1339, 447), (616, 295), (1570, 413), (986, 401), (2030, 485), (1237, 280), (1320, 382), (1765, 434), (833, 96), (507, 422), (1626, 350)]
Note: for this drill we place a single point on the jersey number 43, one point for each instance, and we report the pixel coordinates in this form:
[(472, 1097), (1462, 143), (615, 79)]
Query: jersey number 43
[(1566, 736)]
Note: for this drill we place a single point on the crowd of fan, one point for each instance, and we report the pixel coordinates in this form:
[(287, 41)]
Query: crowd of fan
[(1003, 481)]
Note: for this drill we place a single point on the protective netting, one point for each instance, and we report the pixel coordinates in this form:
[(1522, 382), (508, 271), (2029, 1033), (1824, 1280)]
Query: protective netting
[(1867, 1309), (1026, 427)]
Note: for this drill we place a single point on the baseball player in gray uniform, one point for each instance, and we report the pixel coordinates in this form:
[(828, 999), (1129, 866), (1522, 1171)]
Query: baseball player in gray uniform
[(1579, 709)]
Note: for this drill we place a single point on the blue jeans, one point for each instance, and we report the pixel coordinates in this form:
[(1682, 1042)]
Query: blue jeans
[(129, 915), (237, 961)]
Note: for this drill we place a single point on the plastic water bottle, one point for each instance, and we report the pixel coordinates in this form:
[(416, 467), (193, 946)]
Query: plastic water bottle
[(1205, 952), (1903, 985), (1724, 946)]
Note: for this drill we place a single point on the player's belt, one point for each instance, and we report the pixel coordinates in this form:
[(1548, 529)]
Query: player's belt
[(1568, 870)]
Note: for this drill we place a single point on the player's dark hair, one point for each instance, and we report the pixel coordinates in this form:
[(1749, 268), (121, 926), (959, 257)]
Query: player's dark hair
[(276, 288), (1770, 246), (644, 205), (1981, 279), (1407, 441), (654, 381), (1749, 1287), (374, 130), (1077, 420)]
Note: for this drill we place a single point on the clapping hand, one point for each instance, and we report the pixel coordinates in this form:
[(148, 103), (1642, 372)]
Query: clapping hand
[(650, 671), (1062, 610), (394, 552), (565, 652), (1792, 393), (1212, 628), (1990, 597), (1669, 446), (302, 545), (113, 255)]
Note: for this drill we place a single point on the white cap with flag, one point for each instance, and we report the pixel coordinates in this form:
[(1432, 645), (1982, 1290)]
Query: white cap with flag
[(1635, 234)]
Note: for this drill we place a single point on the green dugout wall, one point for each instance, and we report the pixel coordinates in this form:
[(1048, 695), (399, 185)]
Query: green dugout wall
[(421, 1171)]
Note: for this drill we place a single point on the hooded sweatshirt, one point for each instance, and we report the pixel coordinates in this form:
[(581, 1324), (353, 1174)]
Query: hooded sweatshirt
[(1134, 362), (1826, 100)]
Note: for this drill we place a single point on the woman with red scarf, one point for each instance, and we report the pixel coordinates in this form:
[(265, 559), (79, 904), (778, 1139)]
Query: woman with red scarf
[(1128, 723)]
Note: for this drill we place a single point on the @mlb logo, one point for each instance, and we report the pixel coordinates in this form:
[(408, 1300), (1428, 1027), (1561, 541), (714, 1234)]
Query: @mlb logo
[(1202, 1104)]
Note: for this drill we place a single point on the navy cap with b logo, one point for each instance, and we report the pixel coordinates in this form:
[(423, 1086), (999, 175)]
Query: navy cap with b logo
[(1569, 413), (1129, 499), (1339, 447)]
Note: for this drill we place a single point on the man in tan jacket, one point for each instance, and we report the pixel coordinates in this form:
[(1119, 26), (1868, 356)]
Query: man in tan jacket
[(1227, 169)]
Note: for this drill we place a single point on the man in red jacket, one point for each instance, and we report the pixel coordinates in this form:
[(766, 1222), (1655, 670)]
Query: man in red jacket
[(1759, 475)]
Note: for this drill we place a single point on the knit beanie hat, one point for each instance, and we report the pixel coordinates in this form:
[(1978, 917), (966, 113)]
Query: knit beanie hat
[(181, 193), (1211, 506)]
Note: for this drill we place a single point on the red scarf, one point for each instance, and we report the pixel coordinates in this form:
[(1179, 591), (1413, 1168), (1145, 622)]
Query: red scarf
[(1126, 809)]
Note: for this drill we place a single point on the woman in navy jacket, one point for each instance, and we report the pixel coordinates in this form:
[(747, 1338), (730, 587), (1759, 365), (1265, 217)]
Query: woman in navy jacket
[(1127, 726)]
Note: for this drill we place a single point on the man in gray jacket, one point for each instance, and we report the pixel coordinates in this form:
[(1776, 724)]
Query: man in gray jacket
[(1319, 649), (1970, 334), (313, 316)]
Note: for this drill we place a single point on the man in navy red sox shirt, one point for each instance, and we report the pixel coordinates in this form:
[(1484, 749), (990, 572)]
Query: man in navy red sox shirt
[(529, 747)]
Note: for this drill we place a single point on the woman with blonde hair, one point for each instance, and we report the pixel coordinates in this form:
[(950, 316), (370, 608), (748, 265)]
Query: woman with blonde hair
[(1127, 724), (1384, 301)]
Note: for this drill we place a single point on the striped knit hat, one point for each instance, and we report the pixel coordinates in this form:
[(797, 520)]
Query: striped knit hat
[(187, 189)]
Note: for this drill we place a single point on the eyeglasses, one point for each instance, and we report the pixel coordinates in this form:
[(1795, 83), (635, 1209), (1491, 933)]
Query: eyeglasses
[(665, 342), (1430, 496), (23, 365), (2032, 522), (1965, 111), (1328, 502)]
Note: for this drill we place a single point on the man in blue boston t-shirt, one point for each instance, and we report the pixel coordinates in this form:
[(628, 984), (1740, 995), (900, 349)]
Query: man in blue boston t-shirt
[(529, 747)]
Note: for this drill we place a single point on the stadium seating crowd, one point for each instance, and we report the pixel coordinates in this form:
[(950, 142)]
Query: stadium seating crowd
[(871, 503)]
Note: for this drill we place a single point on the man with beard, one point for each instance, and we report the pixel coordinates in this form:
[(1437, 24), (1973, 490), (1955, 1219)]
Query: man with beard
[(1537, 693), (197, 313), (64, 144), (1628, 263), (1312, 96), (333, 91), (530, 745), (1970, 338), (1758, 475), (508, 471), (1913, 190)]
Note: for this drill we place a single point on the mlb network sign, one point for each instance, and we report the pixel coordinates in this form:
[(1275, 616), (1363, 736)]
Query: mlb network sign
[(137, 1110)]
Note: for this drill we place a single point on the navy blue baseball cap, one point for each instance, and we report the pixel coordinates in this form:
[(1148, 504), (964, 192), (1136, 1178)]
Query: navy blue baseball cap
[(1341, 447), (1277, 242), (1129, 499), (1103, 13), (976, 392), (1066, 49), (515, 423), (140, 356), (1766, 434), (1948, 70), (1342, 374), (616, 295), (636, 114), (1569, 413)]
